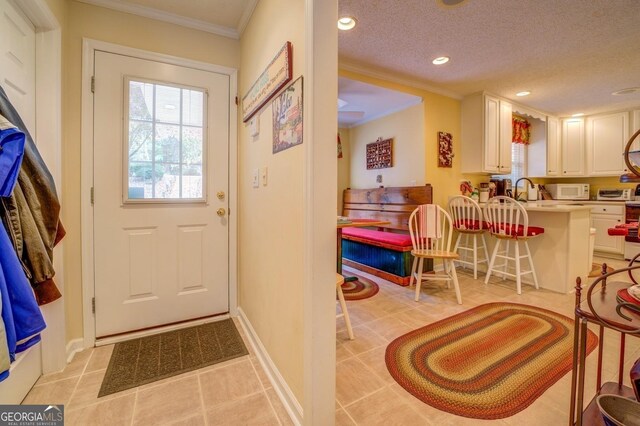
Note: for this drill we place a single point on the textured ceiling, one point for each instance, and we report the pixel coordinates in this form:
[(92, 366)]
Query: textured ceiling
[(571, 54)]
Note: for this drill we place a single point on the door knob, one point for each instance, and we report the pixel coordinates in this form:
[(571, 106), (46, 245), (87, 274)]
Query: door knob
[(220, 212)]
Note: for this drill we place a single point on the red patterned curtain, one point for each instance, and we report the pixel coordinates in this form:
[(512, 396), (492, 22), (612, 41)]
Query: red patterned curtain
[(521, 132)]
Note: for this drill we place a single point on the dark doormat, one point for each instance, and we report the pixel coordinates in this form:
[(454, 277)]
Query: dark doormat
[(147, 359)]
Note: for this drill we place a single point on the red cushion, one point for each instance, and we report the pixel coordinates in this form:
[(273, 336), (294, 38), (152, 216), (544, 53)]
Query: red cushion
[(469, 224), (516, 231), (400, 240)]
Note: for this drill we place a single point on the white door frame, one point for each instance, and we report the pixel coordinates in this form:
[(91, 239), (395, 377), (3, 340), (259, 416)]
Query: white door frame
[(89, 47), (49, 139)]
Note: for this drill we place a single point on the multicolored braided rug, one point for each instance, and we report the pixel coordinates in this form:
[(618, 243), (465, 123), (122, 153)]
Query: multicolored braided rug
[(489, 362), (361, 288)]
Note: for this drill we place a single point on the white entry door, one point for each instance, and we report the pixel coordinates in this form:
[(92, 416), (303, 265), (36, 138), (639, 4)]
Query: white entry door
[(161, 142)]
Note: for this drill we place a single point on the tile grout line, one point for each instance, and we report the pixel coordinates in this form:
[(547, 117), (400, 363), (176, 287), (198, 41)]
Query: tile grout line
[(264, 391), (75, 388), (202, 404)]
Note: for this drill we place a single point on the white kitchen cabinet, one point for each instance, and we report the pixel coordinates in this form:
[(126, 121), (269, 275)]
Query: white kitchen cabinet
[(606, 137), (553, 147), (486, 134), (635, 126), (573, 147), (603, 217)]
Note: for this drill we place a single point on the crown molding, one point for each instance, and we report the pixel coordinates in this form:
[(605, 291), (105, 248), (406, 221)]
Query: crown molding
[(388, 76), (246, 15), (171, 18)]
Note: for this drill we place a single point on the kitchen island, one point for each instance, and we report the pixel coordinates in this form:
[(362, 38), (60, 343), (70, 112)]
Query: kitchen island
[(562, 253)]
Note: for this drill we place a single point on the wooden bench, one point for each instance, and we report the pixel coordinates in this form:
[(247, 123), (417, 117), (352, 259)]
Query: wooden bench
[(384, 252)]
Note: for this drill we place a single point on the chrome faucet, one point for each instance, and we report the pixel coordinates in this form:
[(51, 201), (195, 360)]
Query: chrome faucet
[(515, 193)]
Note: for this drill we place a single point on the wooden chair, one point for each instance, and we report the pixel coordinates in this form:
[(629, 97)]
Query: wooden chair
[(508, 221), (343, 305), (467, 220), (436, 248)]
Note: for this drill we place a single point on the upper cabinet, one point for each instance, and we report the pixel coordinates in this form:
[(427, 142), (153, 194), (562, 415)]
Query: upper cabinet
[(573, 161), (553, 147), (607, 136), (486, 135)]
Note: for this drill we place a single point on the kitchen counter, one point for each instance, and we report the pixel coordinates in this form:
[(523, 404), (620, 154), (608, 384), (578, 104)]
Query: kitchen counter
[(562, 253)]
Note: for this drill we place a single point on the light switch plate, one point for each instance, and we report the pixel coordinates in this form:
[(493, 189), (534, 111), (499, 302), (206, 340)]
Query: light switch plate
[(254, 126), (256, 178), (263, 175)]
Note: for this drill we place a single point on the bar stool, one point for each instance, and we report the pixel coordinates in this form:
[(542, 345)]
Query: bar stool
[(509, 221), (467, 220), (343, 305)]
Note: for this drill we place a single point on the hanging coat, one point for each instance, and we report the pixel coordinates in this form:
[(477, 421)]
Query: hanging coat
[(32, 214), (22, 320)]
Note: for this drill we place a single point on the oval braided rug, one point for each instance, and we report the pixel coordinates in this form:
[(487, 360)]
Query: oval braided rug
[(361, 288), (489, 362)]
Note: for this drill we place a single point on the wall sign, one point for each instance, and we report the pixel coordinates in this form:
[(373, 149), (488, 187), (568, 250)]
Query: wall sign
[(277, 74), (380, 154)]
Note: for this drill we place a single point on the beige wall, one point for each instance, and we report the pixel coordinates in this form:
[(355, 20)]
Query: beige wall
[(441, 114), (97, 23), (406, 127), (271, 240), (344, 165)]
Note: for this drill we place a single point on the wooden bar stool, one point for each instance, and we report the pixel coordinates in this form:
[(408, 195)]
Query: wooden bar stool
[(467, 220), (343, 305), (508, 221)]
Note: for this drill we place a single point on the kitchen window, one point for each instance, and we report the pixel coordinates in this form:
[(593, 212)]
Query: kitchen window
[(518, 161)]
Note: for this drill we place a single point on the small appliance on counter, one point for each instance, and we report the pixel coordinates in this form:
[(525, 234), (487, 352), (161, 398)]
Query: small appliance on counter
[(614, 194), (568, 191), (503, 186), (637, 193)]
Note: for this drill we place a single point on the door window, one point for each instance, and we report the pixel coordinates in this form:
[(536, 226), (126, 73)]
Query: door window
[(165, 142)]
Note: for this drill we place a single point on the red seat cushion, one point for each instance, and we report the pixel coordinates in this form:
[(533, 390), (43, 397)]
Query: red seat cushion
[(400, 240), (516, 231), (469, 224)]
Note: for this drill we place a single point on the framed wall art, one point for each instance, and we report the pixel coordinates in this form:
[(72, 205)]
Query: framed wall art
[(445, 149), (380, 154), (275, 76), (287, 117)]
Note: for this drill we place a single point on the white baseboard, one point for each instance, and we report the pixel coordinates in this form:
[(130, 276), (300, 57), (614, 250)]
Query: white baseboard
[(291, 404), (74, 346)]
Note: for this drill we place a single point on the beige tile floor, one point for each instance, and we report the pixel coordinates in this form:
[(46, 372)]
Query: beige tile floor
[(365, 392), (236, 392)]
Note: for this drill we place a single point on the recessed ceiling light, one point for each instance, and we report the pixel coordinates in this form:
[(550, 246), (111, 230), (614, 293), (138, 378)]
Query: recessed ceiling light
[(579, 114), (440, 60), (523, 93), (627, 91), (346, 23)]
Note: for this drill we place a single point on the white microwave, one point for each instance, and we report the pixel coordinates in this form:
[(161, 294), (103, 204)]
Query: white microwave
[(568, 191)]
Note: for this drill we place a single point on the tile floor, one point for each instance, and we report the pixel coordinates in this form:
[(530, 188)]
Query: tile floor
[(365, 392), (230, 393)]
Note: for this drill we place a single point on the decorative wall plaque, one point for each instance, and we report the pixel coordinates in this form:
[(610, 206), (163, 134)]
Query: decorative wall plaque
[(277, 74), (445, 149), (380, 154)]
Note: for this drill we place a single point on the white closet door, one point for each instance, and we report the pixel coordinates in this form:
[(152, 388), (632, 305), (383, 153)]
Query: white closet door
[(17, 78)]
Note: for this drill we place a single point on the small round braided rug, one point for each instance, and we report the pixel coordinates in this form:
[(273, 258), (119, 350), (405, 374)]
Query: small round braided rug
[(361, 288), (596, 270)]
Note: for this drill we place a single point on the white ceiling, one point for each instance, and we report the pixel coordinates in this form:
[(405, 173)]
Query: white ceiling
[(224, 17), (571, 54), (365, 102)]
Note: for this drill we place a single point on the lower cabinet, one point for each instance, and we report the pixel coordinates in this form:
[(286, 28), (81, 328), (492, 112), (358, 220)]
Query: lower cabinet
[(604, 217)]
